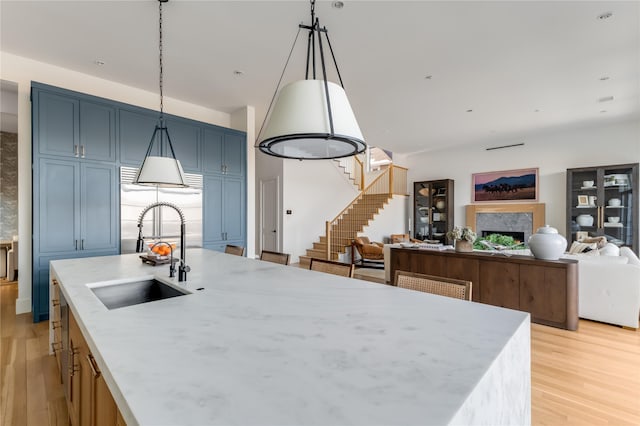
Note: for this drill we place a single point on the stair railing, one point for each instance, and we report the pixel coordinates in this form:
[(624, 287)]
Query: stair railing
[(340, 232), (354, 167)]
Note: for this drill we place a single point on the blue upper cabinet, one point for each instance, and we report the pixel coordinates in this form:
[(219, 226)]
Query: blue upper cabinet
[(136, 129), (97, 131), (223, 152), (56, 123), (185, 138)]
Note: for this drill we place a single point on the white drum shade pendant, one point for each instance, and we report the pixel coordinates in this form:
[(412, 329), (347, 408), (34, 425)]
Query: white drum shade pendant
[(312, 118), (299, 125), (161, 171)]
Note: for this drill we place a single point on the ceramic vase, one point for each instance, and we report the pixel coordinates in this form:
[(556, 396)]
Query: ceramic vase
[(464, 246), (547, 244)]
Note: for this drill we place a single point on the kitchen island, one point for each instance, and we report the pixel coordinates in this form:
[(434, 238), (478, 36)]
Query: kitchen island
[(267, 344)]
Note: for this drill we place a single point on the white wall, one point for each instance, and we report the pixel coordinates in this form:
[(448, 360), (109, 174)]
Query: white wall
[(393, 219), (23, 71), (315, 192), (245, 120), (551, 152)]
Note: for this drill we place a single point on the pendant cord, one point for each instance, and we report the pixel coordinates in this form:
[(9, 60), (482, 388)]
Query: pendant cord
[(160, 60), (273, 98)]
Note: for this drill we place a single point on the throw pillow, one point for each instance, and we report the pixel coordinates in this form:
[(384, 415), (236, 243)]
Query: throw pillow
[(610, 250), (577, 247), (600, 241)]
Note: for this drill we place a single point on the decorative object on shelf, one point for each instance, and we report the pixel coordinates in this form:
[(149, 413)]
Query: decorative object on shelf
[(547, 243), (592, 200), (440, 204), (581, 235), (163, 171), (613, 219), (508, 185), (585, 220), (583, 200), (312, 118), (614, 202), (424, 192), (616, 180), (463, 237), (587, 183)]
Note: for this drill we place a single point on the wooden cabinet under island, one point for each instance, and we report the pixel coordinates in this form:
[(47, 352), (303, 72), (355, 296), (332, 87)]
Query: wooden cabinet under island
[(548, 290)]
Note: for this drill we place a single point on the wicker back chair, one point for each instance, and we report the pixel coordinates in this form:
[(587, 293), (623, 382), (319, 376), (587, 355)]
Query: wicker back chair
[(237, 250), (275, 257), (331, 267), (442, 286)]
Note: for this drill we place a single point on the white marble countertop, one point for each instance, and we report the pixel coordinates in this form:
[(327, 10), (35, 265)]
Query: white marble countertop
[(266, 344)]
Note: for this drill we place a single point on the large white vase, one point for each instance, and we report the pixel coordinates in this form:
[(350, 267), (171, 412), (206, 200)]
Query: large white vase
[(547, 244)]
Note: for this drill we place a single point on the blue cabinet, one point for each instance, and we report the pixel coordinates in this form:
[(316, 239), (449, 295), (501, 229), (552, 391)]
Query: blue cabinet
[(56, 124), (75, 211), (79, 143), (185, 138), (223, 152), (65, 126), (97, 131), (224, 211), (135, 131)]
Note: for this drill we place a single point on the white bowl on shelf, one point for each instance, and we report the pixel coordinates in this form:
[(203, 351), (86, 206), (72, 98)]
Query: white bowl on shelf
[(584, 220), (587, 183), (614, 202), (613, 219)]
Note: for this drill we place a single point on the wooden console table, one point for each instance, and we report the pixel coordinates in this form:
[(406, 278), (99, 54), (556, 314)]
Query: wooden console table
[(547, 289)]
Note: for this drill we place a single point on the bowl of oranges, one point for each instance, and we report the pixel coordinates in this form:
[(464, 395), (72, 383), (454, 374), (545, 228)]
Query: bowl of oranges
[(161, 250)]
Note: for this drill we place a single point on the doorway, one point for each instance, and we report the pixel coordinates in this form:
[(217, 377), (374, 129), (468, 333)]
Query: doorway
[(269, 207), (8, 180)]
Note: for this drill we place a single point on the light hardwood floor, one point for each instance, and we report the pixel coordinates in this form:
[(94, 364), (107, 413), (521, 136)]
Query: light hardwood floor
[(588, 377)]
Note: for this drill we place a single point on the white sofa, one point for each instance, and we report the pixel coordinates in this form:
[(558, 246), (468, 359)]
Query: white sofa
[(609, 288)]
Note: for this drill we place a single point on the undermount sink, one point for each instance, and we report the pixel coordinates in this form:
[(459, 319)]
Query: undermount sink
[(120, 294)]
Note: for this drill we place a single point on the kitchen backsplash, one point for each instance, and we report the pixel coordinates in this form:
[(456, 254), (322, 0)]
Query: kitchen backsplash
[(8, 185)]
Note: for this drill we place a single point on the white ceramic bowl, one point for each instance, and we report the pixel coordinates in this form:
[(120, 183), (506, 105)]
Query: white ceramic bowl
[(614, 202), (424, 219), (587, 183), (613, 219)]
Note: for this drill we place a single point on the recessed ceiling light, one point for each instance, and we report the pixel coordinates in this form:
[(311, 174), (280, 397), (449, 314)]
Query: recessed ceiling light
[(469, 110), (605, 99), (605, 15), (238, 72), (536, 110), (604, 78), (337, 5), (603, 110), (98, 62), (428, 77)]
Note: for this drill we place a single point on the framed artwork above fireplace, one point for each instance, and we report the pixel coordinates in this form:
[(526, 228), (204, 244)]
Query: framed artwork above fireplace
[(506, 186)]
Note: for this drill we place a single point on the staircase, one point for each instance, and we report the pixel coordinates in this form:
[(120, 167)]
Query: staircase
[(352, 220)]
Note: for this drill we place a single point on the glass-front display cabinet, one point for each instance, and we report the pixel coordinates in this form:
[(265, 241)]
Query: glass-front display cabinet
[(433, 210), (603, 201)]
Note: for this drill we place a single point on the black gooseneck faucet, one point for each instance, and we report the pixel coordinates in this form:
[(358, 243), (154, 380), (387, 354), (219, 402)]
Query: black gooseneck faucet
[(182, 268)]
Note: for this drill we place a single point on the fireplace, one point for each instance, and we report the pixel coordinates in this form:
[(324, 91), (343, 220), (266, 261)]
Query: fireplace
[(516, 220)]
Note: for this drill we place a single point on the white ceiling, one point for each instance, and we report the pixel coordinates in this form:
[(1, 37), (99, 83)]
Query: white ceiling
[(520, 66)]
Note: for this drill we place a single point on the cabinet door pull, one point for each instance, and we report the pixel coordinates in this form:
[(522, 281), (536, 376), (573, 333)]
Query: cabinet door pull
[(81, 151), (76, 244), (73, 368), (54, 281), (82, 244), (94, 367), (75, 151), (55, 302), (56, 324)]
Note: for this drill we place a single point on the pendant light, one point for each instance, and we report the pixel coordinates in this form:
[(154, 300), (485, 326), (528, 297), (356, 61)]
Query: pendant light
[(312, 118), (161, 171)]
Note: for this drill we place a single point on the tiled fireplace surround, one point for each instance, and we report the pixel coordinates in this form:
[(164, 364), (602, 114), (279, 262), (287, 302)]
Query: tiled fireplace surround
[(514, 217)]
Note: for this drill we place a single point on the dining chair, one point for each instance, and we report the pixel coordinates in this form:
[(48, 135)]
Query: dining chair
[(459, 289), (331, 267), (237, 250), (275, 257)]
